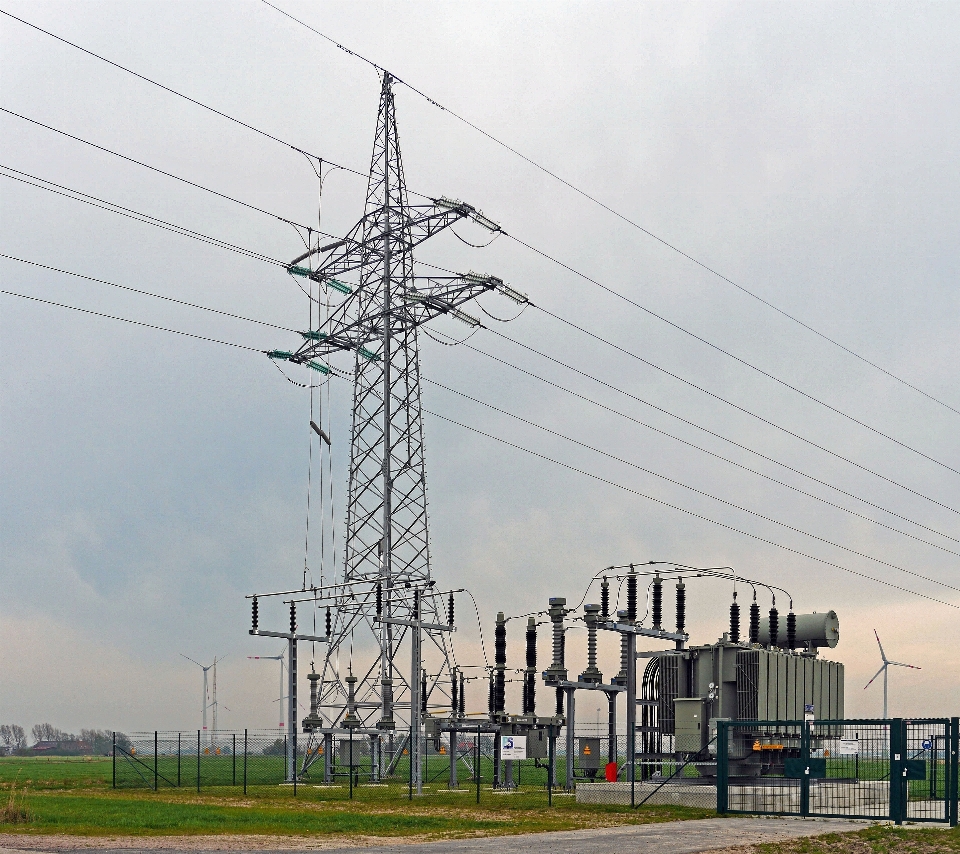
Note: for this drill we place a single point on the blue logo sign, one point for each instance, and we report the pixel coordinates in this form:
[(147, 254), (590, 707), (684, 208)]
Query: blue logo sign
[(926, 744)]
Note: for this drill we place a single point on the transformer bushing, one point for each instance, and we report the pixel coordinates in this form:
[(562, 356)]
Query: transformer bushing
[(314, 678), (591, 617), (557, 671)]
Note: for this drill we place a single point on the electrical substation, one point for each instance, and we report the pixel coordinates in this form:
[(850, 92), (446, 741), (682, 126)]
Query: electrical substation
[(407, 700)]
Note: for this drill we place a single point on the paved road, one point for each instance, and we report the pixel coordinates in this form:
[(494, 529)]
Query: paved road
[(678, 837)]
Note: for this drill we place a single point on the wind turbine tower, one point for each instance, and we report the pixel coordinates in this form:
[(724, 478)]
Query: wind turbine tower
[(883, 670)]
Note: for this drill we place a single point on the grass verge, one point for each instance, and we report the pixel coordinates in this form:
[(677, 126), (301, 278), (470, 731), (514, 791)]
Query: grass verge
[(273, 811)]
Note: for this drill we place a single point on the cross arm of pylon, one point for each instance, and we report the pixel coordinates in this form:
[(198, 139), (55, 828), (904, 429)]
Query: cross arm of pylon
[(417, 306), (352, 253)]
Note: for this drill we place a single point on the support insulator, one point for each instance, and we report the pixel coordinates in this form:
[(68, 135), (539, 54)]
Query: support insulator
[(774, 627), (500, 697), (657, 603), (532, 642), (314, 678), (590, 617), (256, 615), (792, 630), (557, 671), (329, 623), (450, 610), (500, 642), (605, 599), (454, 693), (734, 620), (461, 711), (754, 622), (632, 596), (293, 618), (379, 599), (621, 677), (416, 605)]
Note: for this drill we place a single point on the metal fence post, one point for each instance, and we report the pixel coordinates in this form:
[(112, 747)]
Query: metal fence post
[(233, 753), (198, 760), (476, 764), (723, 737), (551, 761), (114, 760), (179, 736), (350, 774), (805, 728), (897, 749), (244, 761), (951, 769), (155, 775)]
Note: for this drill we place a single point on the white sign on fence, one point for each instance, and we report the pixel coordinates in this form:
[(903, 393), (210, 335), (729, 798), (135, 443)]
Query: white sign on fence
[(513, 747), (848, 747)]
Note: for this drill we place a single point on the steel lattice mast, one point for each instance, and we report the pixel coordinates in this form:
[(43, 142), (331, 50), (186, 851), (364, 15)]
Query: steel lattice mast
[(387, 540)]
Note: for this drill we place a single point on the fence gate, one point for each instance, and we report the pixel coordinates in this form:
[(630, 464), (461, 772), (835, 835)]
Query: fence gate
[(902, 770)]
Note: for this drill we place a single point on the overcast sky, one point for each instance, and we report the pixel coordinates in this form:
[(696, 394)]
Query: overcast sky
[(806, 151)]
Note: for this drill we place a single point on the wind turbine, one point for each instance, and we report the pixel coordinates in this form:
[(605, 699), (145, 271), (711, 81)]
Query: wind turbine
[(883, 670), (274, 658), (206, 693)]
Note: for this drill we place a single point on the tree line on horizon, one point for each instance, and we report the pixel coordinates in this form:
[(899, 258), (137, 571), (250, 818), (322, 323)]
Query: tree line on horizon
[(13, 740)]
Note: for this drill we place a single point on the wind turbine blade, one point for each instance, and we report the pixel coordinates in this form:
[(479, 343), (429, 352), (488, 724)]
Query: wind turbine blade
[(901, 664), (875, 675), (188, 658), (883, 655)]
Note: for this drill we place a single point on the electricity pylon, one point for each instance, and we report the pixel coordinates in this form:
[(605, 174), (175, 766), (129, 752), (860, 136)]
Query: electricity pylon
[(387, 543)]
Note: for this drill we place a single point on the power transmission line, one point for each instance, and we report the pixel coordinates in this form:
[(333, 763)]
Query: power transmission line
[(518, 240), (97, 202), (730, 355), (542, 379), (519, 447), (134, 322), (688, 512), (163, 172), (688, 487), (742, 466), (145, 293), (615, 212), (150, 220), (723, 400)]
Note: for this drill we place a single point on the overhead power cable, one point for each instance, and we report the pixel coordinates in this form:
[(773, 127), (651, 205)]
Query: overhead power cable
[(145, 293), (162, 171), (103, 204), (569, 391), (146, 79), (356, 172), (689, 512), (134, 322), (613, 211), (723, 400), (746, 468), (698, 427), (701, 492), (730, 355), (518, 447), (151, 220)]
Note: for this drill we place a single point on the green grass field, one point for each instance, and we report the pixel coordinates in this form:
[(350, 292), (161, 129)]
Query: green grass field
[(75, 796)]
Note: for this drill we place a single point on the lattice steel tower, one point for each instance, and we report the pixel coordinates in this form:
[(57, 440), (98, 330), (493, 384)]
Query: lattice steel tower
[(387, 541)]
